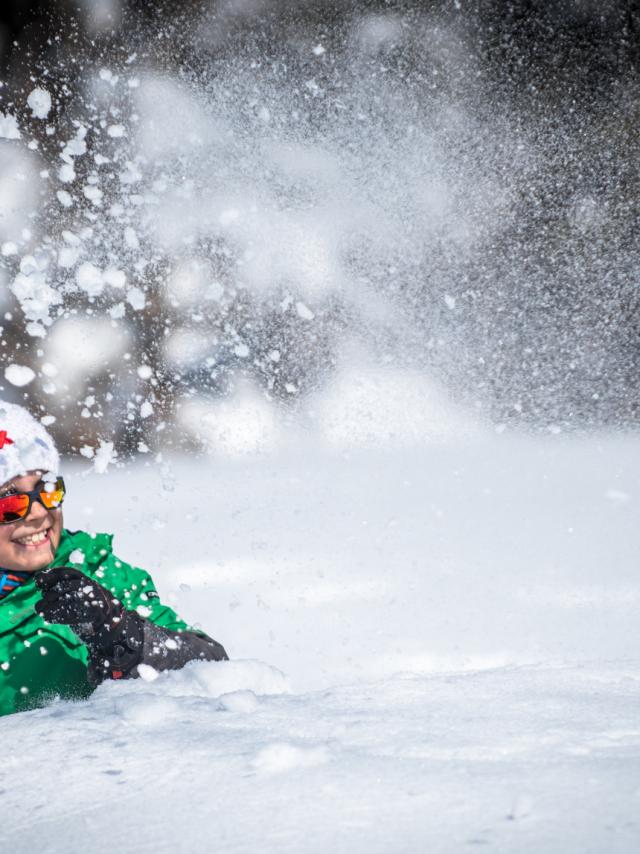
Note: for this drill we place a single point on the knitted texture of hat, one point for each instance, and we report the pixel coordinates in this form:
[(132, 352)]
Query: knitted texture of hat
[(24, 444)]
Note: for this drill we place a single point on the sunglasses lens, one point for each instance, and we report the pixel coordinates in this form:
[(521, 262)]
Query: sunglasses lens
[(54, 498), (13, 507)]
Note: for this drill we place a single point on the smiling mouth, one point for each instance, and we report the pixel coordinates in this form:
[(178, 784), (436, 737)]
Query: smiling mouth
[(34, 541)]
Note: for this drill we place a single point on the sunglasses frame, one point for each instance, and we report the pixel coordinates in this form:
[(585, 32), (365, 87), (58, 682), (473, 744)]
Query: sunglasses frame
[(35, 495)]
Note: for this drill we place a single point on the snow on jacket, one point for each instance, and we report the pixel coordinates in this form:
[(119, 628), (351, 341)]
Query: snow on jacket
[(42, 661)]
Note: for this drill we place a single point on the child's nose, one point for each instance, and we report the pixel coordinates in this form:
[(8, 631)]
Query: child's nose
[(37, 511)]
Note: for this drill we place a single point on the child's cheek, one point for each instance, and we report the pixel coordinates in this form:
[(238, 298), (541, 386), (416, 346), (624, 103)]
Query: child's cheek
[(56, 531), (5, 546)]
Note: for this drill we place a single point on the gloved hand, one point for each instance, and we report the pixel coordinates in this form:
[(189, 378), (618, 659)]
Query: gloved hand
[(74, 599), (113, 635), (117, 639)]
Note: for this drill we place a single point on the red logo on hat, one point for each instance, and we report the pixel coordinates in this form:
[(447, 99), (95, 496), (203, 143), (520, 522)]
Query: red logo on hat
[(4, 439)]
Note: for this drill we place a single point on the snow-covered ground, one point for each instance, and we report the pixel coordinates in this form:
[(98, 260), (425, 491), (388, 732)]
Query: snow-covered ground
[(432, 649)]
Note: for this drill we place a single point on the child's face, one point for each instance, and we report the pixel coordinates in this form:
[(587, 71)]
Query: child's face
[(29, 556)]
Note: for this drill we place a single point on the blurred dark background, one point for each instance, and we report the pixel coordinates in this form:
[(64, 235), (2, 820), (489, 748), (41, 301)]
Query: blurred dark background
[(583, 44), (551, 328)]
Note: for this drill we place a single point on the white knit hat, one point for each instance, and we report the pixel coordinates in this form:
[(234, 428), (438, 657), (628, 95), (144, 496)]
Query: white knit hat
[(24, 444)]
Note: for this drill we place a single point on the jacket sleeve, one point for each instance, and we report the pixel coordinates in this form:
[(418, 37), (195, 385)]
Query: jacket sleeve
[(163, 649)]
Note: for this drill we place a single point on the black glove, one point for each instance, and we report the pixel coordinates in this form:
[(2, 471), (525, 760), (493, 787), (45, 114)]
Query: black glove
[(113, 635), (72, 598), (167, 650)]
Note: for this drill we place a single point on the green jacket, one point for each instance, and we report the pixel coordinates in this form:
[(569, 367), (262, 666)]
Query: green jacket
[(40, 661)]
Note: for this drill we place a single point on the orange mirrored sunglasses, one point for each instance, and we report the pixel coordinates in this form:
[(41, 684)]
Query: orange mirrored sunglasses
[(17, 505)]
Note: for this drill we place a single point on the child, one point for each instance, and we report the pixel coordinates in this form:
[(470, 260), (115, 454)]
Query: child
[(71, 613)]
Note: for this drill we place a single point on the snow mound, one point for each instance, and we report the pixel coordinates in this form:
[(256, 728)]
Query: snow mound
[(148, 709), (228, 676), (435, 764), (203, 680), (281, 757), (239, 701)]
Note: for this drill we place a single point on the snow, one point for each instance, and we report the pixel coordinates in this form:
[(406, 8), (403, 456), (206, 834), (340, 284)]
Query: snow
[(19, 190), (304, 311), (367, 406), (19, 375), (94, 337), (282, 757), (115, 278), (76, 146), (66, 174), (379, 30), (39, 102), (117, 311), (242, 424), (131, 238), (242, 351), (147, 673), (188, 282), (172, 118), (89, 279), (93, 193), (68, 256), (136, 298), (458, 628), (104, 456), (433, 628), (9, 126), (320, 212)]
